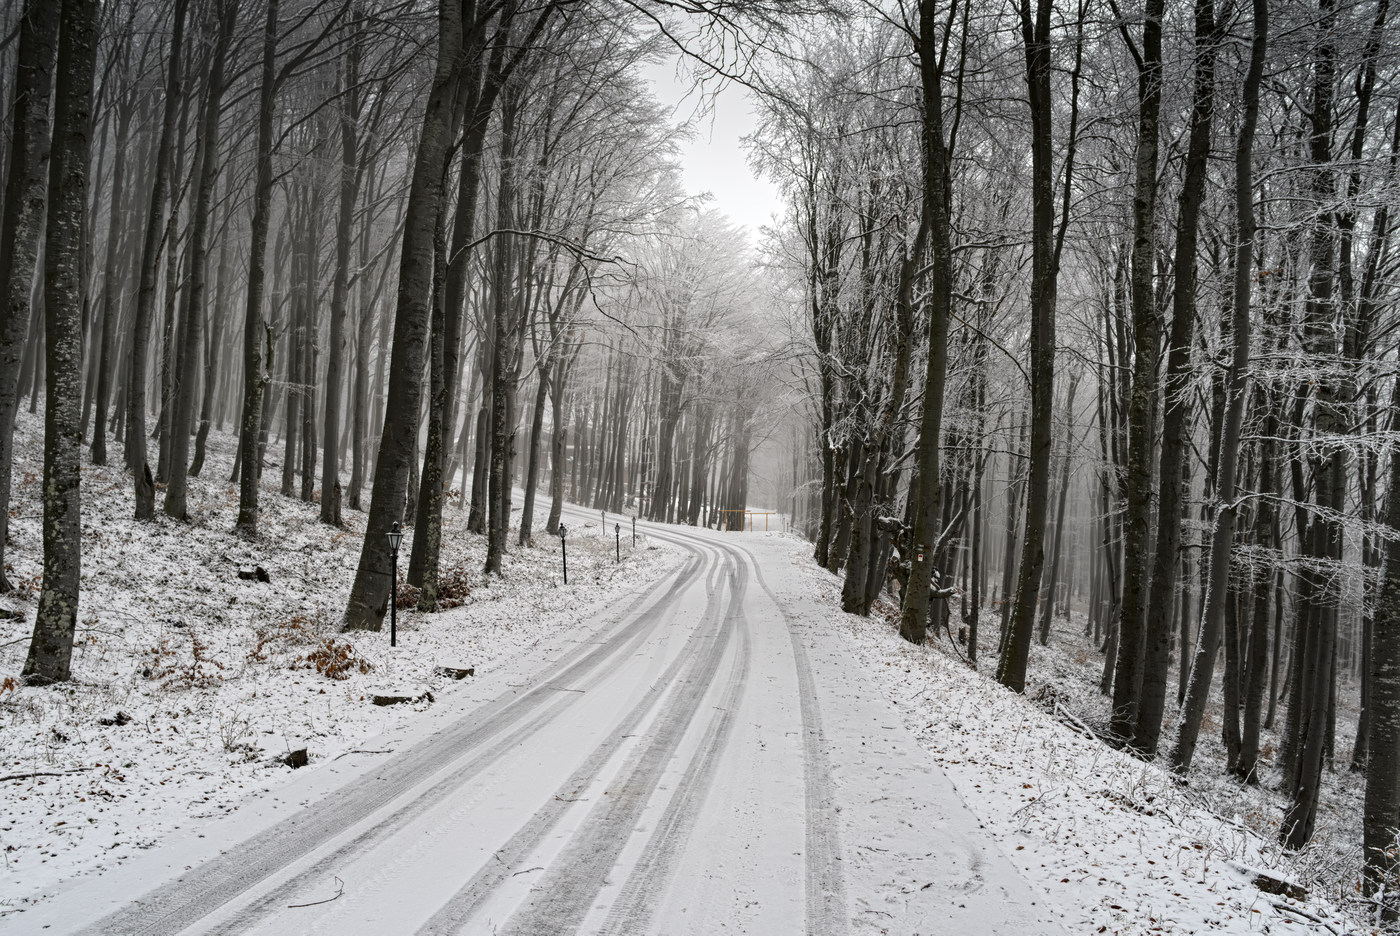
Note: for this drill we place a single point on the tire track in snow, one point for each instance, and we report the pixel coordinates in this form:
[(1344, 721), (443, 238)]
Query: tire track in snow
[(631, 911), (453, 916), (268, 904), (561, 900), (827, 913), (178, 904)]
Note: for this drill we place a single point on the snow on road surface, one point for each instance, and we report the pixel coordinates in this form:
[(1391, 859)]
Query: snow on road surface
[(700, 758)]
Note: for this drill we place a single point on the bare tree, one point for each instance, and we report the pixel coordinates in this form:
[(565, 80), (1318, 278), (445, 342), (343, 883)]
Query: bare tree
[(22, 223), (51, 649)]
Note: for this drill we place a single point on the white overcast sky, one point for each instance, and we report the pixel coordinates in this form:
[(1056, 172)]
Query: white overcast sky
[(714, 160)]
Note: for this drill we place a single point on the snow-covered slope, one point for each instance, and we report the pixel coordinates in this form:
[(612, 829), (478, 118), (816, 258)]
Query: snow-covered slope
[(191, 684), (1118, 846)]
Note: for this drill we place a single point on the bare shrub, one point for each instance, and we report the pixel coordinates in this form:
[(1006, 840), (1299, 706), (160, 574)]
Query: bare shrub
[(166, 664), (333, 659), (233, 729), (454, 587), (296, 631)]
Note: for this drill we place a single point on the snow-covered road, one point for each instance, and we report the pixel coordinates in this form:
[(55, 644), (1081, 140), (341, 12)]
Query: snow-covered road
[(702, 758)]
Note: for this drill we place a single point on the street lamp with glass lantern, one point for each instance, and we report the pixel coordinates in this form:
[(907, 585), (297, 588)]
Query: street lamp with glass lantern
[(564, 551), (395, 538)]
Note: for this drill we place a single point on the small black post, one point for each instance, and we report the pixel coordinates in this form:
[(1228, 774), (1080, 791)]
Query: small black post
[(564, 551), (634, 532), (617, 532), (395, 538)]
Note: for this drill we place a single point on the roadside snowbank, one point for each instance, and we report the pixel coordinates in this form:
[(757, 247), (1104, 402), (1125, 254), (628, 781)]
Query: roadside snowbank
[(1116, 845)]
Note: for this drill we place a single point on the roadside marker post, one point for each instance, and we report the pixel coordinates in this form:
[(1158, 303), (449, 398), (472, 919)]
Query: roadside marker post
[(395, 538)]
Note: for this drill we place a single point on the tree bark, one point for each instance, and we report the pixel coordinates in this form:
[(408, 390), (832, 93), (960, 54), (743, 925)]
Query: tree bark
[(191, 326), (1142, 404), (370, 593), (340, 291), (1257, 672), (532, 467), (251, 426), (1329, 465), (913, 619), (1049, 606), (1045, 265), (22, 223), (51, 648), (1158, 622), (1383, 766), (502, 423), (111, 284), (480, 87), (213, 345), (1217, 590)]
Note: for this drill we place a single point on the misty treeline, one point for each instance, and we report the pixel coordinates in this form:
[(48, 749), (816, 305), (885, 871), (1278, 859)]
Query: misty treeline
[(1098, 312), (411, 255)]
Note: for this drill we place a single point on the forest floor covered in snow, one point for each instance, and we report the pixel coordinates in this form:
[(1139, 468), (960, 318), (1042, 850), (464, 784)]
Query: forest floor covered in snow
[(192, 686), (1118, 845)]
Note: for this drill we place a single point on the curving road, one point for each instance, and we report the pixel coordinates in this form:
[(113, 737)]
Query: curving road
[(700, 760)]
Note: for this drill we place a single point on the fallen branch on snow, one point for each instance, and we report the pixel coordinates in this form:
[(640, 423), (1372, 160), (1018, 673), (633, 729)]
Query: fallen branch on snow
[(43, 773), (315, 903)]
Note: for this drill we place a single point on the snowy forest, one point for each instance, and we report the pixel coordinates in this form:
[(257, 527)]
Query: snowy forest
[(1076, 325)]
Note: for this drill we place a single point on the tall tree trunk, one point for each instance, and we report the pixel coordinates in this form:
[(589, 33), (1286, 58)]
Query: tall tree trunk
[(1383, 766), (21, 223), (251, 427), (295, 387), (1329, 466), (213, 351), (170, 310), (158, 237), (111, 284), (369, 595), (558, 437), (307, 342), (1142, 404), (502, 427), (213, 345), (428, 505), (855, 591), (51, 648), (1257, 672), (1217, 590), (447, 324), (532, 468), (340, 291), (1158, 622), (1049, 607), (927, 495), (1046, 245), (359, 406)]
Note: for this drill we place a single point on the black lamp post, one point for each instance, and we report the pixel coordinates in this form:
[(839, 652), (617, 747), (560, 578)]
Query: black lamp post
[(564, 551), (617, 531), (395, 538), (634, 532)]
